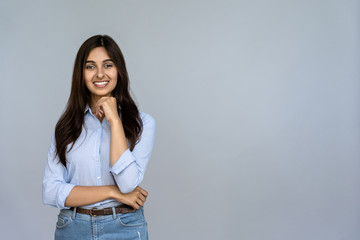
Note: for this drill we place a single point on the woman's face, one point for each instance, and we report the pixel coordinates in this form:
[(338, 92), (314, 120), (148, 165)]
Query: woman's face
[(100, 74)]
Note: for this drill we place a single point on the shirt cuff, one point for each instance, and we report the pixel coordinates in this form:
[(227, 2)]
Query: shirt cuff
[(123, 162), (63, 193)]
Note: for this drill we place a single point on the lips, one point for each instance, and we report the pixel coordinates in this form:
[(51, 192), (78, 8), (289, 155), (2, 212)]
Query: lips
[(101, 84)]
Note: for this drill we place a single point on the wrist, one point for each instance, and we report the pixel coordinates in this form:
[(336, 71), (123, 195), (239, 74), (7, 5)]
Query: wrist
[(115, 122), (114, 193), (111, 191)]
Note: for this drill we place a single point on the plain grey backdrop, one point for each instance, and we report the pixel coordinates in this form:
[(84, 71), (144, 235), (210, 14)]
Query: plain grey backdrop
[(256, 102)]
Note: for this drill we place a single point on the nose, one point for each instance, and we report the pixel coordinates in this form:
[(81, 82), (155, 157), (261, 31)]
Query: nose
[(100, 73)]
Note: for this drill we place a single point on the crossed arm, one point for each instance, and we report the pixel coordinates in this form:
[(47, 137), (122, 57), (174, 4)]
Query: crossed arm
[(85, 195)]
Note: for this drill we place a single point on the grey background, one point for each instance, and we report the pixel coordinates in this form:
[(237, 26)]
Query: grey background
[(256, 102)]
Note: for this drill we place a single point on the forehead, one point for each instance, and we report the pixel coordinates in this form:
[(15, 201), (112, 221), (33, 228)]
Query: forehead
[(98, 54)]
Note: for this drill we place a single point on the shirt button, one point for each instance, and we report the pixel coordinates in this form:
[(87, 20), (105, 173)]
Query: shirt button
[(97, 159), (98, 178)]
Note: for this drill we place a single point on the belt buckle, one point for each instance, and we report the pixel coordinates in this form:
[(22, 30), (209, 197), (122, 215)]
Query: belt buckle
[(91, 213)]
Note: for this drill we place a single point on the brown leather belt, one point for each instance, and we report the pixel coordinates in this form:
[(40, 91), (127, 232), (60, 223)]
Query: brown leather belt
[(105, 211)]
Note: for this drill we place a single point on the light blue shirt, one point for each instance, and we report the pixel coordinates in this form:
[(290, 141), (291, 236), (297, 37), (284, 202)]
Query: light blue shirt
[(89, 163)]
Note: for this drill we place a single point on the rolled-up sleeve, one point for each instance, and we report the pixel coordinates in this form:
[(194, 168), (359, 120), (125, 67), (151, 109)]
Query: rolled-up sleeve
[(55, 189), (129, 169)]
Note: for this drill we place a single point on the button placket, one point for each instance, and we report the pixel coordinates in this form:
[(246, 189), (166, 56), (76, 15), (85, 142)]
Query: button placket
[(98, 163)]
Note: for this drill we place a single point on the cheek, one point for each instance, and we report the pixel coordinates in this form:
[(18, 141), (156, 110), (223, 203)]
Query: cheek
[(115, 83), (114, 76), (87, 81), (87, 78), (88, 84)]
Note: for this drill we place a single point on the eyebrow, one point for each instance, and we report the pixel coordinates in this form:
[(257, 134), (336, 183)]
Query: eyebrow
[(106, 60)]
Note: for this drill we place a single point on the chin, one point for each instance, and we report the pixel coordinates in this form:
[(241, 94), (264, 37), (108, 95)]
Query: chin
[(100, 93)]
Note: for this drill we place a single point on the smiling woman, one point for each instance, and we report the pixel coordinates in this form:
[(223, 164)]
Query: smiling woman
[(99, 151)]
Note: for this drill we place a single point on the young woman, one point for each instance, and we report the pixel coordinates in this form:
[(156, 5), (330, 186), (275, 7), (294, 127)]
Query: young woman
[(99, 151)]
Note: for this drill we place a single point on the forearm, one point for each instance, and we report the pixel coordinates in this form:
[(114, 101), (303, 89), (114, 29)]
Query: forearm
[(130, 167), (85, 195), (118, 144)]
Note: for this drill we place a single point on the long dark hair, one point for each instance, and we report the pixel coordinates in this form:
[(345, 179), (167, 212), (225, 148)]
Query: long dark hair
[(69, 126)]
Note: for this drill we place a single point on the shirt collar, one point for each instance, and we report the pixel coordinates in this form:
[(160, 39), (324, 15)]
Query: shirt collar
[(86, 108)]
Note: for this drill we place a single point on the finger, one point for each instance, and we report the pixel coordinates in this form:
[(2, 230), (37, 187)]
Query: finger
[(139, 202), (139, 189), (142, 198), (143, 191), (136, 206), (99, 103), (97, 108)]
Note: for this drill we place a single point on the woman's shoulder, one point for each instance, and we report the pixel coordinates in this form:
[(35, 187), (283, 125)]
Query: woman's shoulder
[(146, 118)]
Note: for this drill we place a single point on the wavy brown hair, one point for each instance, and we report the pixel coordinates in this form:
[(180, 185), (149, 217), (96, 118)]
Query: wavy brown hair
[(69, 126)]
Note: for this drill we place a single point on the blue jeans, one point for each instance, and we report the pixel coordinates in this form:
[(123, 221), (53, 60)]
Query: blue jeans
[(78, 226)]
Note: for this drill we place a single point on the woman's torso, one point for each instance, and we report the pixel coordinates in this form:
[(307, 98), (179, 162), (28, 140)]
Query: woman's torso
[(89, 159)]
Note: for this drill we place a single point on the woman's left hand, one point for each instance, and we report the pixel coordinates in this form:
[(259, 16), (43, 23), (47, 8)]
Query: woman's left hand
[(107, 106)]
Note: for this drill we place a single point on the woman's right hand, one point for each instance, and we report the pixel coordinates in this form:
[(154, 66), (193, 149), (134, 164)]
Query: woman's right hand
[(136, 198)]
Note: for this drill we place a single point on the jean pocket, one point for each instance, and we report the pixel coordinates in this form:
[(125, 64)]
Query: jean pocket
[(135, 219), (63, 221)]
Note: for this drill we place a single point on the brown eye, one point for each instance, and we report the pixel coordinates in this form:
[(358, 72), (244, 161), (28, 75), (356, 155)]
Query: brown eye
[(90, 67)]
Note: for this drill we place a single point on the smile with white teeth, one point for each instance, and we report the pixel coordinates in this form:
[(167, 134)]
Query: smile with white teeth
[(101, 84)]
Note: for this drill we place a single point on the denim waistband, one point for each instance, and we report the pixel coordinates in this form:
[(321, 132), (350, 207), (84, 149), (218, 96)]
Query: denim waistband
[(73, 214)]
